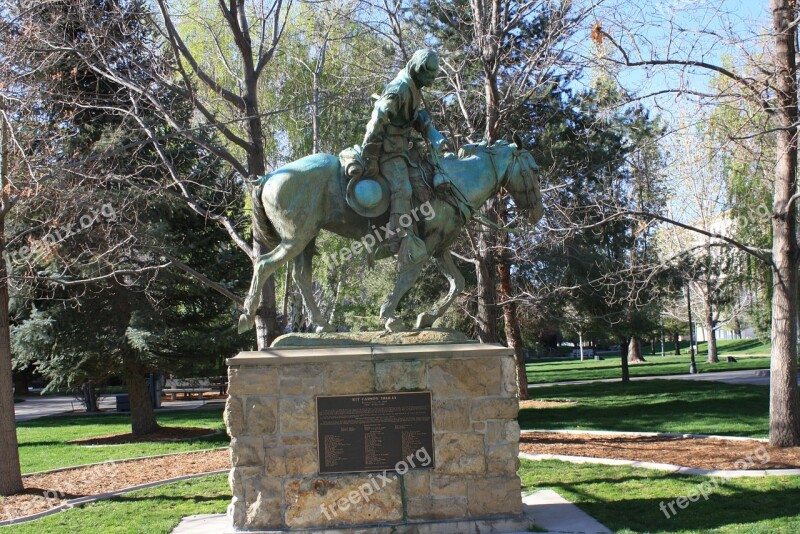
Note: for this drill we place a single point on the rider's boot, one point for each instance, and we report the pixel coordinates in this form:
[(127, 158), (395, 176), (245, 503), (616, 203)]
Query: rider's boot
[(396, 233)]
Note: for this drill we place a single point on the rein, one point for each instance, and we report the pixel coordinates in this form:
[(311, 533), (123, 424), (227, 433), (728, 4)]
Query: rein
[(477, 216)]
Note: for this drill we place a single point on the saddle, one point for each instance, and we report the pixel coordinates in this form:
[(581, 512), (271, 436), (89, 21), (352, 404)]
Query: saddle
[(369, 195)]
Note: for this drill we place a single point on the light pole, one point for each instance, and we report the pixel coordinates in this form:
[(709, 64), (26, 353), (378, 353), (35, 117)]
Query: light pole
[(693, 365)]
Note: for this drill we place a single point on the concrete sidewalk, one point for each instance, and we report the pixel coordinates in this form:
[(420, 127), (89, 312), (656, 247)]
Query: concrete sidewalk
[(546, 508), (758, 377), (44, 406)]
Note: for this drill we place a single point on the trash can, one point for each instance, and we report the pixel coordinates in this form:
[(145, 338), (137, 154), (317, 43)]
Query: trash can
[(123, 403)]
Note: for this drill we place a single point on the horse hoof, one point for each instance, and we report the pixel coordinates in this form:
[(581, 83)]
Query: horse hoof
[(245, 323), (395, 325), (321, 329), (425, 320)]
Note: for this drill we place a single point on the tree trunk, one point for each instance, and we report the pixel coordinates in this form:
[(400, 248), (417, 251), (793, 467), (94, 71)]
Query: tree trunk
[(512, 330), (143, 417), (10, 476), (635, 351), (90, 397), (677, 340), (784, 408), (711, 334), (623, 357), (486, 318)]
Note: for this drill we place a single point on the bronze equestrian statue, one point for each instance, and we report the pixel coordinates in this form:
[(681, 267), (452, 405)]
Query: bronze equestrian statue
[(351, 198)]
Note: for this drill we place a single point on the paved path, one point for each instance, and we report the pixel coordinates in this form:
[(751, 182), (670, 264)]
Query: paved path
[(35, 406), (546, 508), (759, 377)]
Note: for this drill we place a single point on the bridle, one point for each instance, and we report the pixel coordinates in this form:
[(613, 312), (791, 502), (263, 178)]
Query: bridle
[(525, 170)]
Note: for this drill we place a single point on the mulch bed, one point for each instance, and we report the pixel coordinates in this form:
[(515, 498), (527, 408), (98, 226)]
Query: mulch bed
[(704, 453), (164, 433), (539, 404), (50, 490)]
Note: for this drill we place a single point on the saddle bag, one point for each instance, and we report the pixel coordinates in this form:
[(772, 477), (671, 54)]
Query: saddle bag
[(352, 162)]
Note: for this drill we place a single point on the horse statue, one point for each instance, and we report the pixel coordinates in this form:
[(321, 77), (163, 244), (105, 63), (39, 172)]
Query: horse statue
[(292, 204)]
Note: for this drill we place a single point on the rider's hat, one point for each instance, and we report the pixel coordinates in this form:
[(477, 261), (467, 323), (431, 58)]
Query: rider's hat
[(368, 195)]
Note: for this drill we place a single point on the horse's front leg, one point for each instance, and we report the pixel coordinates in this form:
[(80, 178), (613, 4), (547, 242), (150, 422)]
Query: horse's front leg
[(264, 266), (303, 281), (405, 280), (456, 279)]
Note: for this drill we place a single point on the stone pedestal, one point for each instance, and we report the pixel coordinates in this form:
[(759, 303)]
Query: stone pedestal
[(271, 418)]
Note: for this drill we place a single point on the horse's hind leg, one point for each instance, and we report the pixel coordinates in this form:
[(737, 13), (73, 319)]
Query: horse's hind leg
[(456, 279), (263, 268), (303, 280), (405, 280)]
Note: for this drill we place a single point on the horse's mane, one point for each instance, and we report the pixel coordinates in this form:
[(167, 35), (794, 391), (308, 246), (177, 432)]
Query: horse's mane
[(471, 149)]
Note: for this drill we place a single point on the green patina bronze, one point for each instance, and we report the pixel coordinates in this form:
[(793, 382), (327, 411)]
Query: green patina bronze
[(292, 204)]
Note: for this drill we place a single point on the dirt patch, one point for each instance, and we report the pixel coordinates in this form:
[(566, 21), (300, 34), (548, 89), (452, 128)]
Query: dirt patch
[(165, 433), (704, 453), (540, 404), (50, 490)]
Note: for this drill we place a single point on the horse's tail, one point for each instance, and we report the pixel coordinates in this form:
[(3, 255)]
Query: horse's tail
[(263, 229)]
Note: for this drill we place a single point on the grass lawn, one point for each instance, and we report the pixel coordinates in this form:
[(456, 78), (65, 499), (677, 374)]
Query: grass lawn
[(622, 498), (17, 400), (43, 442), (151, 511), (590, 369), (627, 500), (654, 406)]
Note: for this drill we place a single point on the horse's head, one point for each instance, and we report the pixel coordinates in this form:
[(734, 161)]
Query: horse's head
[(516, 170), (522, 182)]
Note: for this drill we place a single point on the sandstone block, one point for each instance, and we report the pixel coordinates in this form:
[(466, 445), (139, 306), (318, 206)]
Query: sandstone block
[(253, 381), (448, 486), (234, 416), (437, 509), (451, 415), (400, 376), (264, 498), (247, 451), (297, 415), (347, 499), (459, 454), (342, 378), (417, 483), (494, 408), (503, 458), (260, 415), (464, 377), (509, 367), (494, 495)]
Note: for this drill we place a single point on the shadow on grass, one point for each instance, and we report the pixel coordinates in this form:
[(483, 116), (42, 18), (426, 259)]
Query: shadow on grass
[(133, 498), (738, 507), (625, 498), (657, 405), (103, 419)]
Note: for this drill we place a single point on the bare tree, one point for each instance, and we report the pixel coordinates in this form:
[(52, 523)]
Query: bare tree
[(10, 475), (772, 85)]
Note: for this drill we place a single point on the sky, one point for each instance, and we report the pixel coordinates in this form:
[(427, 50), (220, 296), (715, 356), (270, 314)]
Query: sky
[(720, 32)]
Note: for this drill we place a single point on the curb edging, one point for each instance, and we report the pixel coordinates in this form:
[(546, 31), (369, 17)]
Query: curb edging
[(645, 434), (81, 501), (674, 469)]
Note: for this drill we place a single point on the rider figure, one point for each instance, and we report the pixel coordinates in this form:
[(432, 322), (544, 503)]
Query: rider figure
[(386, 143)]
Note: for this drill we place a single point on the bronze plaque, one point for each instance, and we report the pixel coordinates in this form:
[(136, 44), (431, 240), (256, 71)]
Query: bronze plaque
[(376, 432)]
